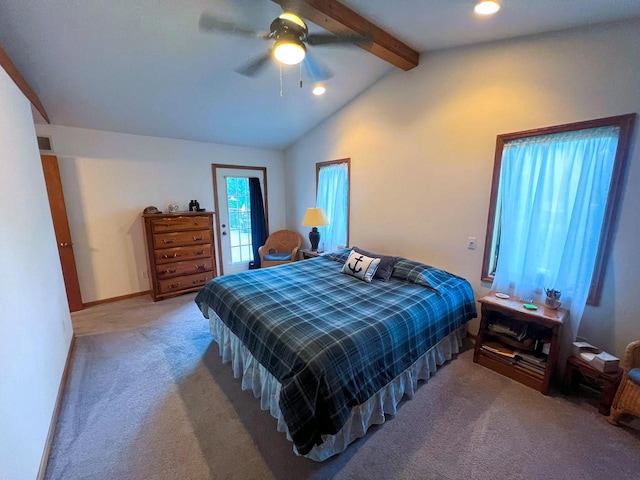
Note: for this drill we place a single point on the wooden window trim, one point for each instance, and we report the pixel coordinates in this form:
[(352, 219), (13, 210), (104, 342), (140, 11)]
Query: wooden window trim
[(626, 124), (319, 165)]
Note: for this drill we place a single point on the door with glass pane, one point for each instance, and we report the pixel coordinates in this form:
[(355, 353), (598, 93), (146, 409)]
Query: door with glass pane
[(233, 208)]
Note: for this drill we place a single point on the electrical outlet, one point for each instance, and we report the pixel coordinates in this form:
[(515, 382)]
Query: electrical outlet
[(145, 274), (471, 243)]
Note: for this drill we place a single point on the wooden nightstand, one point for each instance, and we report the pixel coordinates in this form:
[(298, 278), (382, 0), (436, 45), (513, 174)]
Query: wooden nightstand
[(306, 254), (531, 358), (577, 370)]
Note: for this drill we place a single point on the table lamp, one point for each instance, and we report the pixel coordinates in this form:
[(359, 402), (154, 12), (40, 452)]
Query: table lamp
[(314, 217)]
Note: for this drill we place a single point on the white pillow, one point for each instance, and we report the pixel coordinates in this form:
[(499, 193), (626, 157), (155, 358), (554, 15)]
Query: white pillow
[(361, 266)]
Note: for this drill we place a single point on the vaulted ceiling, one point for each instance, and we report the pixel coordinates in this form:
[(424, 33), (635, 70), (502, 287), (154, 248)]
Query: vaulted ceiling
[(144, 67)]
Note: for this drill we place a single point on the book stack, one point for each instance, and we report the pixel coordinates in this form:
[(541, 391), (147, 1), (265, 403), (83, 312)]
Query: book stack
[(515, 331), (533, 363), (499, 349)]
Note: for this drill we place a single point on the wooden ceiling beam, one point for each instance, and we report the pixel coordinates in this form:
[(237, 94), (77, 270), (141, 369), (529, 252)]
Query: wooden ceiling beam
[(339, 19), (18, 79)]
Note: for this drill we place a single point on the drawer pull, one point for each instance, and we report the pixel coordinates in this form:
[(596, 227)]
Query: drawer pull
[(202, 280), (171, 256), (199, 252), (171, 271), (174, 285), (195, 239), (200, 267), (169, 240), (164, 224)]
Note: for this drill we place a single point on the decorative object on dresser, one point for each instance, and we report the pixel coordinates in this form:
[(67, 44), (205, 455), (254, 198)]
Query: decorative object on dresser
[(518, 340), (180, 252), (314, 217), (194, 206), (151, 209)]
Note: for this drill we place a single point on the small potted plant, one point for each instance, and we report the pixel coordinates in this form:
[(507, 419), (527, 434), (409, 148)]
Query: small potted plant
[(553, 298)]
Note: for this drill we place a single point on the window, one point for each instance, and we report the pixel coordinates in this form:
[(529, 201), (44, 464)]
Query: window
[(553, 204), (332, 195), (239, 219)]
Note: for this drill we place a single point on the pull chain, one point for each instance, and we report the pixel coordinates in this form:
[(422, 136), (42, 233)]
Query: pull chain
[(300, 74), (281, 94)]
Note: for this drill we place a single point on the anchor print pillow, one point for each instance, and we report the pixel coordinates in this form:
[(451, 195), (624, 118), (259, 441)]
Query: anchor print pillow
[(361, 266)]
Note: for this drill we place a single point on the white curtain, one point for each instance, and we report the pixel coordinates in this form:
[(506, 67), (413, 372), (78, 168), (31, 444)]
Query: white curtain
[(332, 197), (553, 196)]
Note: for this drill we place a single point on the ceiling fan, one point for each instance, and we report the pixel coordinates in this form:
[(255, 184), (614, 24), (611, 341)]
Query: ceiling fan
[(290, 36)]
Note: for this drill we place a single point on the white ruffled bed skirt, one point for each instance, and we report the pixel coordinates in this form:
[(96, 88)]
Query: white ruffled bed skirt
[(265, 386)]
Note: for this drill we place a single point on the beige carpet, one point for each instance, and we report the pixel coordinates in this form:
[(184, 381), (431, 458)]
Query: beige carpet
[(153, 401)]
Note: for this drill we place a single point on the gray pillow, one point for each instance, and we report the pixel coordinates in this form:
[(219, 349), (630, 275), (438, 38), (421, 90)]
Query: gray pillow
[(387, 264)]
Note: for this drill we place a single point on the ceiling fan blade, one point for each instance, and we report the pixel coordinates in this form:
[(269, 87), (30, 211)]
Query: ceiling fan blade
[(316, 70), (209, 23), (255, 66), (328, 39)]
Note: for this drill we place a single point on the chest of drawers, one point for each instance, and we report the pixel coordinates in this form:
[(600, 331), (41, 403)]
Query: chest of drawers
[(180, 251)]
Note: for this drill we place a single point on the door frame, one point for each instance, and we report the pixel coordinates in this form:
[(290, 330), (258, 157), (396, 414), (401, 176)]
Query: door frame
[(216, 207)]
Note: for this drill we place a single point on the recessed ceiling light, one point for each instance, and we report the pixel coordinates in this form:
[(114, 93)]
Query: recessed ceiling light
[(487, 7), (319, 90)]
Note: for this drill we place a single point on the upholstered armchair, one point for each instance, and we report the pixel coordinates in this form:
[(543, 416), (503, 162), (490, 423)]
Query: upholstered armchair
[(627, 399), (281, 247)]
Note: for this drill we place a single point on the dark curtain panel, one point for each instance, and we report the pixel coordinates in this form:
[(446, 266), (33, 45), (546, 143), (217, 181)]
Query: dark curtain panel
[(258, 220)]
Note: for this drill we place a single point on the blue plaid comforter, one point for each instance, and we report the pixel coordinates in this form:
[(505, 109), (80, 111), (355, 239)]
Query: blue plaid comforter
[(331, 340)]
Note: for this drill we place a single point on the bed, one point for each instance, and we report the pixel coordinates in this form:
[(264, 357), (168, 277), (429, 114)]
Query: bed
[(329, 354)]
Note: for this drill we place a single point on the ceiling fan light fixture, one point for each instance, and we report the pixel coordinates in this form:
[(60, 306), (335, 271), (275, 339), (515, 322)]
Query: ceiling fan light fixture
[(292, 17), (319, 90), (487, 7), (289, 52)]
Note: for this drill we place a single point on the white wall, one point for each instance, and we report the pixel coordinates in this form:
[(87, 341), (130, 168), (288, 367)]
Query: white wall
[(109, 178), (35, 325), (422, 143)]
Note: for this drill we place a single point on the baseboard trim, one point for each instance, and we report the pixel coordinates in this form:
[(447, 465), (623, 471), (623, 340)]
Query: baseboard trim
[(56, 411), (115, 299)]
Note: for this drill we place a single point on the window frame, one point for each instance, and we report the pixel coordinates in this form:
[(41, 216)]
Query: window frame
[(319, 165), (625, 123)]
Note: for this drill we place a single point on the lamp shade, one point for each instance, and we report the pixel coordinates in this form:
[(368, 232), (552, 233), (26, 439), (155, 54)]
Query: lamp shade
[(314, 217)]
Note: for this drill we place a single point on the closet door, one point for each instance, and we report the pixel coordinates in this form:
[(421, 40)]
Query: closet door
[(61, 228)]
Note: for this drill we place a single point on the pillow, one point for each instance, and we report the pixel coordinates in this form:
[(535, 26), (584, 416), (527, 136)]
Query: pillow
[(339, 256), (421, 274), (361, 266), (387, 264)]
